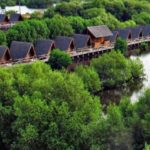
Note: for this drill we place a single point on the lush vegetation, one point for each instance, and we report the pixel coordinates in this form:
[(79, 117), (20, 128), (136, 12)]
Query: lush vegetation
[(90, 78), (121, 45), (3, 40), (69, 17), (28, 31), (45, 109), (119, 12), (59, 59), (115, 70)]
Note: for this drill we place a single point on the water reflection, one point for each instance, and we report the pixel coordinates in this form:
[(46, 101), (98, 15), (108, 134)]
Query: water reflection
[(145, 58), (115, 95), (134, 90)]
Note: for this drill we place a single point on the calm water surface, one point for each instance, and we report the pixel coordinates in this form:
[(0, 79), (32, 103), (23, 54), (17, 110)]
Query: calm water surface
[(133, 90), (145, 58)]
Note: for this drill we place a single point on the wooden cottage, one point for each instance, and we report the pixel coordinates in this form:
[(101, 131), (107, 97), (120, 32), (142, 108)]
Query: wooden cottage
[(125, 34), (146, 31), (4, 55), (43, 48), (14, 18), (82, 41), (98, 35), (65, 43), (3, 19), (22, 51)]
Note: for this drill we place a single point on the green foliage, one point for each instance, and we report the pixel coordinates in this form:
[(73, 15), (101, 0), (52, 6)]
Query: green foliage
[(41, 108), (142, 18), (147, 147), (128, 111), (121, 45), (3, 40), (78, 24), (113, 69), (91, 13), (136, 68), (38, 29), (28, 31), (50, 110), (36, 15), (144, 46), (59, 25), (69, 9), (141, 125), (90, 78), (49, 13), (59, 59), (116, 126), (45, 109)]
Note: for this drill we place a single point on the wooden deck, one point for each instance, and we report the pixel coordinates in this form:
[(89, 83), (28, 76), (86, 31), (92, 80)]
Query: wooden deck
[(84, 52), (90, 50), (103, 49)]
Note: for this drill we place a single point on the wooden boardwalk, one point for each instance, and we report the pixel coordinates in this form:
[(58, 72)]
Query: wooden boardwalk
[(102, 49), (87, 52)]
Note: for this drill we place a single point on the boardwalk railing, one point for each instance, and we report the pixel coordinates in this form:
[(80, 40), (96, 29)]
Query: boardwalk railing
[(104, 48)]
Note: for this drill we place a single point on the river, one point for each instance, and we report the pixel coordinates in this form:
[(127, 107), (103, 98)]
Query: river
[(133, 90), (23, 9), (145, 58)]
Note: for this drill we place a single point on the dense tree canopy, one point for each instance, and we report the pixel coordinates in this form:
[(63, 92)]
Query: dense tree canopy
[(45, 109), (114, 69), (28, 31), (59, 59), (121, 45), (90, 78), (45, 116), (41, 108)]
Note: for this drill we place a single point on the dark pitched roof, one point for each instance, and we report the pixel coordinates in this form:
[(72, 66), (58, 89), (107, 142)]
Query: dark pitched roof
[(63, 42), (19, 50), (3, 18), (81, 40), (146, 30), (42, 47), (3, 50), (114, 37), (123, 33), (100, 31), (15, 18), (135, 31)]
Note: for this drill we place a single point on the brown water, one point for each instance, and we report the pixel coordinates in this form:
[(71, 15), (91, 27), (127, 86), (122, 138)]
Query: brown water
[(133, 90)]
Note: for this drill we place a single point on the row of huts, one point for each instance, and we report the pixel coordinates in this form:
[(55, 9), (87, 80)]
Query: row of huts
[(4, 19), (95, 37), (131, 33)]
